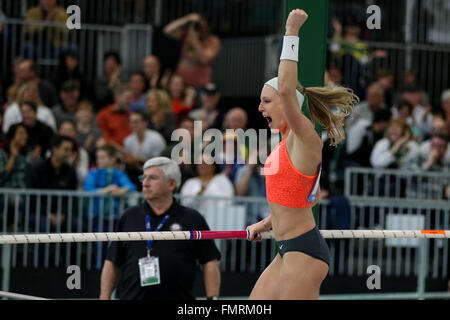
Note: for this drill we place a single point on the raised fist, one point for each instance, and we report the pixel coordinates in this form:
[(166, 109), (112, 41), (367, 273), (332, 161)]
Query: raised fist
[(295, 21)]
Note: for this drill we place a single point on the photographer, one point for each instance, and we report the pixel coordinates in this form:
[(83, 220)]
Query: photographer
[(198, 50)]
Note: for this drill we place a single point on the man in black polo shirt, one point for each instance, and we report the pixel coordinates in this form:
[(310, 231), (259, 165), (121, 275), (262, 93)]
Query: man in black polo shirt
[(54, 173), (177, 258)]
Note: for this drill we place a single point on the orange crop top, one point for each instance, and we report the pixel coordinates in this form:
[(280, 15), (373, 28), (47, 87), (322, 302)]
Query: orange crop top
[(285, 185)]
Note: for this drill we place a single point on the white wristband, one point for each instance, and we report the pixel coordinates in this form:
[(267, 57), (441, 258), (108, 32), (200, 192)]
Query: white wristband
[(290, 48)]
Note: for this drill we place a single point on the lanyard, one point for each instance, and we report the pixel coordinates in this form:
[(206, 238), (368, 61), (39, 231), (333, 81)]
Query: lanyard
[(148, 228)]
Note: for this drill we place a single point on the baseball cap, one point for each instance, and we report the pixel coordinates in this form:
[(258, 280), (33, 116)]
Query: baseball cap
[(210, 89), (70, 85)]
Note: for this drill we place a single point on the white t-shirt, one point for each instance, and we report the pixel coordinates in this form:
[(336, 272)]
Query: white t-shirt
[(355, 134), (381, 156), (13, 115), (152, 145), (424, 151), (219, 186)]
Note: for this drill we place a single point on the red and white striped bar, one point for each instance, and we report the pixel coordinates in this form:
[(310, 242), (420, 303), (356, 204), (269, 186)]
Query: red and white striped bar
[(203, 235)]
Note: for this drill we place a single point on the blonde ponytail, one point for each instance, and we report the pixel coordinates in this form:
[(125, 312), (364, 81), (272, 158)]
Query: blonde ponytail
[(321, 99)]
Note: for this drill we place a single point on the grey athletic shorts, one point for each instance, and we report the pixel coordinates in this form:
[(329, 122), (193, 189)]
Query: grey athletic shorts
[(311, 243)]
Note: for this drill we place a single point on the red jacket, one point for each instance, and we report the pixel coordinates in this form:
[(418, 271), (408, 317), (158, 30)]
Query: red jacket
[(114, 124)]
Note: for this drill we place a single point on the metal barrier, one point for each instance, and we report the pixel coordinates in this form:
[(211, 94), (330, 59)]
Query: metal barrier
[(430, 63), (259, 55), (227, 18), (262, 17), (91, 212), (398, 184), (49, 39)]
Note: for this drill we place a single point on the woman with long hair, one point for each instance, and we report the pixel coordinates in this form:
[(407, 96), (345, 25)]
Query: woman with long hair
[(182, 97), (14, 158), (397, 150), (292, 173), (28, 92), (159, 108)]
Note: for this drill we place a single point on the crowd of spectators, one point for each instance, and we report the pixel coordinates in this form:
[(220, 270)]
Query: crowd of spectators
[(391, 130), (130, 116), (67, 133)]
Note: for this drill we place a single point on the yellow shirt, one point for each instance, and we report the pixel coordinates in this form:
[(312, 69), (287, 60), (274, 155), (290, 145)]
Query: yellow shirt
[(55, 34)]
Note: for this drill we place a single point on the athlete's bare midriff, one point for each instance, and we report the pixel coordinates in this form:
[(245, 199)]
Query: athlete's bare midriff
[(288, 223)]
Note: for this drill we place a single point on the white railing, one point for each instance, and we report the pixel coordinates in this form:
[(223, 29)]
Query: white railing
[(398, 184), (132, 41)]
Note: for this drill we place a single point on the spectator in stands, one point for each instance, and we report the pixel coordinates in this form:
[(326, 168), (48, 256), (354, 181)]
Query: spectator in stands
[(14, 158), (438, 127), (210, 182), (88, 132), (178, 260), (113, 120), (350, 43), (445, 99), (113, 77), (235, 118), (183, 97), (365, 109), (333, 76), (137, 86), (409, 79), (54, 173), (69, 70), (27, 72), (186, 149), (234, 151), (397, 150), (54, 36), (421, 114), (199, 48), (209, 113), (28, 92), (385, 78), (14, 165), (362, 137), (159, 107), (39, 134), (11, 96), (404, 112), (12, 81), (152, 71), (141, 145), (70, 95), (106, 179), (352, 54), (434, 154), (79, 158)]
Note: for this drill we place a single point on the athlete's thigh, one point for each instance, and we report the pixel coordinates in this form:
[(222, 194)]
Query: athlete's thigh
[(266, 288), (301, 276)]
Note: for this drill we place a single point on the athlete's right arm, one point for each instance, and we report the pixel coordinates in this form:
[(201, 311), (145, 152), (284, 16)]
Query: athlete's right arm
[(300, 125), (257, 228), (110, 275)]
